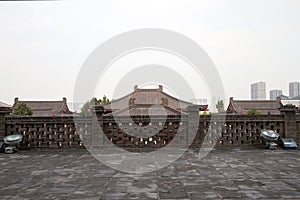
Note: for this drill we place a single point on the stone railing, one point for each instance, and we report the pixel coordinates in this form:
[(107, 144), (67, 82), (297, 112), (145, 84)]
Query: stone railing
[(235, 130)]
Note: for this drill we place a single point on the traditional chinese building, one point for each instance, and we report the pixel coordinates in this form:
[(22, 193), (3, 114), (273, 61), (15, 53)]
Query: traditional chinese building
[(46, 108), (148, 102), (4, 107), (264, 107)]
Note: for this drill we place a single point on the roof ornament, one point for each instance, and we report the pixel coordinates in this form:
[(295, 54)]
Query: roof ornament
[(131, 101), (160, 88), (164, 101)]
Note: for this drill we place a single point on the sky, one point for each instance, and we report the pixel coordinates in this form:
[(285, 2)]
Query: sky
[(43, 45)]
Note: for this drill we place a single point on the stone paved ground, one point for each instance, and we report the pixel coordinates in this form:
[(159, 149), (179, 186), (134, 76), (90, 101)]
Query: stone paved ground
[(223, 174)]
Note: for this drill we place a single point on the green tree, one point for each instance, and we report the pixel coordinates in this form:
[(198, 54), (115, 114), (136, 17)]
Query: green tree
[(86, 108), (204, 113), (253, 112), (23, 110), (104, 100), (220, 106)]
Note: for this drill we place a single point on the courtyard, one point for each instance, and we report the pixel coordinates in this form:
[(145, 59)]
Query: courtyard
[(254, 173)]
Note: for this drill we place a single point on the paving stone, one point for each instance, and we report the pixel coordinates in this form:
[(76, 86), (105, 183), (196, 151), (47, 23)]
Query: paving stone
[(143, 196), (222, 174)]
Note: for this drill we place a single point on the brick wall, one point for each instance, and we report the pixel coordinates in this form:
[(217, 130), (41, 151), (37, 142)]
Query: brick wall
[(45, 131), (298, 129), (160, 132), (3, 112), (235, 130)]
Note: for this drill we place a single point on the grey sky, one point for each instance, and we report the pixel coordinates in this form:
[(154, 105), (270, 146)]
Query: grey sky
[(44, 44)]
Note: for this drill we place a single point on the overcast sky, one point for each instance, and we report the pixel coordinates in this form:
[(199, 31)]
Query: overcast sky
[(44, 44)]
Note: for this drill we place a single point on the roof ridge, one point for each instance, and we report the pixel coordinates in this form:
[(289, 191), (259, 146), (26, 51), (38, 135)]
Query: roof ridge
[(234, 105), (255, 100), (114, 100), (40, 101), (175, 98), (154, 89)]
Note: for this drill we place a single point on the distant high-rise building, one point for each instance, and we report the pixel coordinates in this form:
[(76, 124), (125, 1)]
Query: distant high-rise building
[(258, 91), (274, 94), (294, 89)]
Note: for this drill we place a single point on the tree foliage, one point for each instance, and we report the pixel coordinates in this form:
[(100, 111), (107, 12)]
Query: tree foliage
[(220, 106), (204, 113), (253, 112), (23, 110), (86, 108)]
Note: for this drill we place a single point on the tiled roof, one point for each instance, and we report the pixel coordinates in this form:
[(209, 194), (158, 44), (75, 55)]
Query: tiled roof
[(146, 111), (4, 105), (146, 97), (263, 106), (4, 108), (46, 108)]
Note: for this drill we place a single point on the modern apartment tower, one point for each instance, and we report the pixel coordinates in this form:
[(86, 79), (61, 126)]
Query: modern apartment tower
[(294, 89), (274, 94), (258, 91)]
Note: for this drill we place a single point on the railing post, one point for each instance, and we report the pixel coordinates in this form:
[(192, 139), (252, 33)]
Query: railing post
[(4, 110), (290, 124), (193, 123), (97, 125)]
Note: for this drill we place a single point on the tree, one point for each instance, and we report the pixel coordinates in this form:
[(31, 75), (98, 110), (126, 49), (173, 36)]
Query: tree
[(104, 100), (23, 110), (220, 106), (204, 113), (253, 112), (86, 108)]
